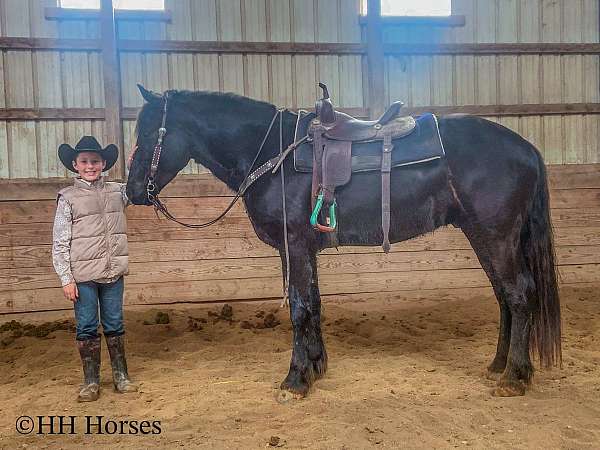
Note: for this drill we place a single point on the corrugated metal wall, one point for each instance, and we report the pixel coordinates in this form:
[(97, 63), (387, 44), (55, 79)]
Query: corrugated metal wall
[(73, 79), (526, 79)]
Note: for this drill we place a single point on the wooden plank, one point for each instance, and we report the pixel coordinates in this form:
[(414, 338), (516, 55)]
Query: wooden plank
[(121, 14), (181, 67), (281, 76), (508, 80), (157, 79), (467, 9), (18, 73), (327, 21), (329, 73), (306, 80), (530, 72), (465, 80), (442, 81), (206, 73), (4, 153), (573, 227), (592, 139), (553, 140), (400, 79), (507, 20), (22, 150), (591, 21), (51, 113), (531, 129), (551, 21), (76, 80), (204, 20), (230, 20), (486, 81), (255, 20), (530, 29), (575, 150), (303, 25), (206, 185), (572, 21), (16, 20), (50, 136), (348, 25), (147, 293), (40, 27), (258, 79), (112, 84), (591, 79), (351, 82), (421, 73), (47, 68), (131, 67), (180, 27), (485, 15), (233, 77)]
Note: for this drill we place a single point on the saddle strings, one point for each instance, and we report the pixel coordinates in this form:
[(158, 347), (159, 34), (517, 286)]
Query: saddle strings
[(286, 284)]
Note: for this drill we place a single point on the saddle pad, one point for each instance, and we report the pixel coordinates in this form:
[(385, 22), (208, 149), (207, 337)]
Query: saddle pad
[(423, 144)]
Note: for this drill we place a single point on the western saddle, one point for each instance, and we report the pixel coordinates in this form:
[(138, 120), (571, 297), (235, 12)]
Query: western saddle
[(332, 133)]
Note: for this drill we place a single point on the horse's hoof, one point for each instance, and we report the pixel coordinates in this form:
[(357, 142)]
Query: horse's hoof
[(284, 396), (494, 376), (509, 389)]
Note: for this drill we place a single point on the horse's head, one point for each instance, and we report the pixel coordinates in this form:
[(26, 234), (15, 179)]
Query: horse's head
[(176, 145)]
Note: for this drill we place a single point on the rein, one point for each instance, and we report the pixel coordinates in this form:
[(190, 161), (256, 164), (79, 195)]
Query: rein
[(250, 178)]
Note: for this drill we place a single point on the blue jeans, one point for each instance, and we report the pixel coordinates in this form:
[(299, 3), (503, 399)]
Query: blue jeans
[(110, 298)]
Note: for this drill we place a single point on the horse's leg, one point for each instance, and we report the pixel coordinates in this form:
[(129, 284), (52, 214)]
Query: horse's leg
[(515, 286), (498, 364), (309, 358)]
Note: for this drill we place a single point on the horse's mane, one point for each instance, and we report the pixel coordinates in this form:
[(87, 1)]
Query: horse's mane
[(200, 100)]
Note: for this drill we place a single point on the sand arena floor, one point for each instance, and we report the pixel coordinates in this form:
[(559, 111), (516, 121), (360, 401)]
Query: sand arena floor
[(402, 374)]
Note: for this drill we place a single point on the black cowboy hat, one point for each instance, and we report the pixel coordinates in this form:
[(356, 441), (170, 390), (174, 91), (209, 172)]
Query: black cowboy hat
[(67, 154)]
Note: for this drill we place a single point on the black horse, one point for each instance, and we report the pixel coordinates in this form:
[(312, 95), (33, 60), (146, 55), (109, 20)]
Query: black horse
[(491, 184)]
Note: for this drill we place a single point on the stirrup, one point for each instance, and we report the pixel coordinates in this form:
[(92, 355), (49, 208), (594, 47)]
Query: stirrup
[(331, 220)]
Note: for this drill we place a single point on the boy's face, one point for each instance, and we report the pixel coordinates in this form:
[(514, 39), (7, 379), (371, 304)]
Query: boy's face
[(89, 165)]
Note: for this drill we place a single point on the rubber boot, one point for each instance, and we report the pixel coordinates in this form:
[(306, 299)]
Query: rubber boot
[(116, 349), (89, 350)]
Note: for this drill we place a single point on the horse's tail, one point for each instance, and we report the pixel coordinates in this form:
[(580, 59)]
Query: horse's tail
[(537, 242)]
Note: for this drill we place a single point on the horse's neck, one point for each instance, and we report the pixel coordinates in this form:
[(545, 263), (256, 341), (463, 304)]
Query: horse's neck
[(233, 149)]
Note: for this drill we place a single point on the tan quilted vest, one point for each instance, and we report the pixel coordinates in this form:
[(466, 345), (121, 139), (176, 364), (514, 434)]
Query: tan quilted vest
[(99, 239)]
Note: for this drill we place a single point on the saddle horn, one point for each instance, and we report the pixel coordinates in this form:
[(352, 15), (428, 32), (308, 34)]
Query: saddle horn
[(324, 107)]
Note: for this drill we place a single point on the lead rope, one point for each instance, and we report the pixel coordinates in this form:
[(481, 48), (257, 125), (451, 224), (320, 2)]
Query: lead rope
[(286, 284)]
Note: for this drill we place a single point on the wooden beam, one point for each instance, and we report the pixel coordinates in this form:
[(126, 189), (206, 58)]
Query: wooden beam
[(112, 85), (509, 110), (133, 45), (375, 59), (477, 110), (130, 45), (441, 21), (491, 49), (19, 43), (53, 13), (52, 114)]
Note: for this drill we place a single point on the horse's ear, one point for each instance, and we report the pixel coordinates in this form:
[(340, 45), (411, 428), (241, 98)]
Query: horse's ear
[(148, 95)]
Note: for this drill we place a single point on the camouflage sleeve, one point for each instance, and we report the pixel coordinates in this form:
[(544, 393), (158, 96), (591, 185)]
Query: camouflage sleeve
[(126, 201), (61, 242)]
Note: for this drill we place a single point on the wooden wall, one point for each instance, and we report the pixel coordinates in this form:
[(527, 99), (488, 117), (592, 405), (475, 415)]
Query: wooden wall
[(227, 262)]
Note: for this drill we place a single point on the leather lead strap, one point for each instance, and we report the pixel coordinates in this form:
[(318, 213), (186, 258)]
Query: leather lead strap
[(386, 168)]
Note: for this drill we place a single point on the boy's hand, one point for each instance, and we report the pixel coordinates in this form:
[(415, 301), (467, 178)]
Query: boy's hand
[(71, 292)]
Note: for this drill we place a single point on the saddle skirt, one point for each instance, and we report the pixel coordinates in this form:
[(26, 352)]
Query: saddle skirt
[(423, 144)]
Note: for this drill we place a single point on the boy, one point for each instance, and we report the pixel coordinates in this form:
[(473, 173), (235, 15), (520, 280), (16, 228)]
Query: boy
[(89, 254)]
